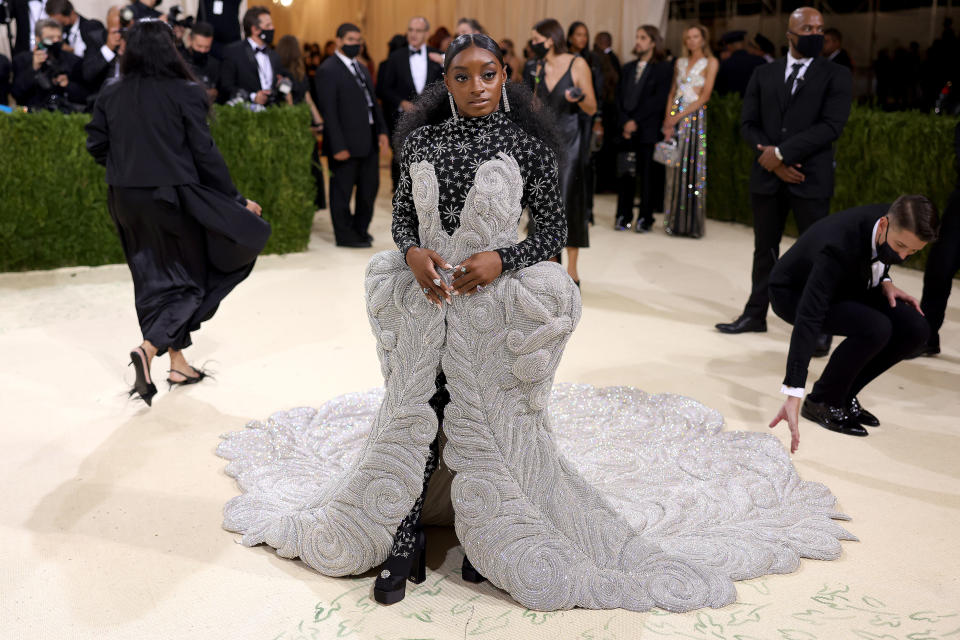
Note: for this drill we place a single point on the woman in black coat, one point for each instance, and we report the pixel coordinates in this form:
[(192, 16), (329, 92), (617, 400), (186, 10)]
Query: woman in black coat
[(189, 237)]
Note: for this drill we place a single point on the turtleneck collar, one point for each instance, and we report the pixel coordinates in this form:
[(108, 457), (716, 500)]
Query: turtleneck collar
[(479, 123)]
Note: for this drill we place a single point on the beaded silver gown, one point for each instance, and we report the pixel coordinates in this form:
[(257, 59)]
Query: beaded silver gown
[(566, 496)]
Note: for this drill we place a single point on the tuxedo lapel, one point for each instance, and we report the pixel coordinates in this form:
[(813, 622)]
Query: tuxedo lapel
[(783, 94), (406, 73), (252, 66)]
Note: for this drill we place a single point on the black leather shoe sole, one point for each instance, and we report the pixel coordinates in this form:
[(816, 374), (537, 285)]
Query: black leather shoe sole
[(849, 428)]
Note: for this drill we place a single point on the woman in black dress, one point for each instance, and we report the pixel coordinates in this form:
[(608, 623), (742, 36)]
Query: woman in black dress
[(565, 83), (189, 237)]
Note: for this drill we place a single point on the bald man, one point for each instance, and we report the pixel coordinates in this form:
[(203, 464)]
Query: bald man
[(794, 110)]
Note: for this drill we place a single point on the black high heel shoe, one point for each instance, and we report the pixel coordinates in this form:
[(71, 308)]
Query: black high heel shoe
[(201, 374), (469, 572), (146, 390), (391, 584)]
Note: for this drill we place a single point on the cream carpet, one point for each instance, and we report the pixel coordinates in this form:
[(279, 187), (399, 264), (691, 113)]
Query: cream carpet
[(110, 519)]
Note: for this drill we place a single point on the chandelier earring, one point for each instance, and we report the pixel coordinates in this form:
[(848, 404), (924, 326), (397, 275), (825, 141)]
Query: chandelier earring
[(503, 97), (453, 107)]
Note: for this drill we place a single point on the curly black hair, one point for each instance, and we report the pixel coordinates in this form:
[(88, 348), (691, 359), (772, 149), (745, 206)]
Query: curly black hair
[(433, 106)]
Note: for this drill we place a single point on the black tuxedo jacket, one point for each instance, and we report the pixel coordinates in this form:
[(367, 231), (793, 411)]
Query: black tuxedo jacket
[(644, 102), (239, 70), (831, 261), (343, 106), (92, 32), (397, 85), (153, 132), (96, 70), (803, 125)]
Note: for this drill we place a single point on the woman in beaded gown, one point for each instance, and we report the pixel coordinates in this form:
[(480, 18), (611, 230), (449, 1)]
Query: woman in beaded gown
[(685, 193), (564, 497)]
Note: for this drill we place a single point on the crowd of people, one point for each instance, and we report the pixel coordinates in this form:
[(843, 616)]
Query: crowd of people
[(637, 128)]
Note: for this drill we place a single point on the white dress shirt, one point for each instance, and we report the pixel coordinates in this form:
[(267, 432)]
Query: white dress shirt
[(37, 13), (418, 67), (75, 40), (264, 67), (803, 70)]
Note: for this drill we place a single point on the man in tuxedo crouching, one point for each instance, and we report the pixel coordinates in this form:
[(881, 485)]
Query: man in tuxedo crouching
[(836, 279)]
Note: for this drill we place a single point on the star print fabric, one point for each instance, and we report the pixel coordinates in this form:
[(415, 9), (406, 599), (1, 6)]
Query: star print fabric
[(456, 150)]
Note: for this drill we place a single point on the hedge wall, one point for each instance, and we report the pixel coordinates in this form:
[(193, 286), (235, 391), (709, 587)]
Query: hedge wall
[(880, 156), (53, 210)]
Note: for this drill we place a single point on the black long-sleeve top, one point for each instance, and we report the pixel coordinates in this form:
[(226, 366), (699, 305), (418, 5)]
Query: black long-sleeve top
[(456, 150)]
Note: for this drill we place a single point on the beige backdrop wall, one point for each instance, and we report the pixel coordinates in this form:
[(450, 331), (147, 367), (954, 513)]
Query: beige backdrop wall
[(317, 20)]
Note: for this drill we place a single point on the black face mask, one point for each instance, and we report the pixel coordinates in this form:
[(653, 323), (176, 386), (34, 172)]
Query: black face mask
[(539, 49), (351, 50), (885, 252), (809, 46), (200, 59), (266, 35), (53, 48)]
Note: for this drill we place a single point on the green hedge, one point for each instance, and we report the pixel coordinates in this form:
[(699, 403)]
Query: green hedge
[(880, 156), (53, 210)]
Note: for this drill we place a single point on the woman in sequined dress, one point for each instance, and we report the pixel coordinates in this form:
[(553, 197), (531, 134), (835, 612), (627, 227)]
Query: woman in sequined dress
[(563, 497), (685, 200)]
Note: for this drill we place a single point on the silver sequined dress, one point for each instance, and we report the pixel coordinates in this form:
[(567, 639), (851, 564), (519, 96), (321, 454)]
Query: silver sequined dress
[(567, 496)]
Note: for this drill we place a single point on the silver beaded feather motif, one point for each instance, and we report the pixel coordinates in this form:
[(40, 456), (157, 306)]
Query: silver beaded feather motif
[(564, 497)]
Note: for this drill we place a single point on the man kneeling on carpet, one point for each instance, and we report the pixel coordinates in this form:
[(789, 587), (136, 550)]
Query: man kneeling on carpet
[(835, 279)]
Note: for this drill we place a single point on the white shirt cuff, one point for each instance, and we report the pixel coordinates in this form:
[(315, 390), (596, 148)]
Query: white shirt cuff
[(107, 53), (776, 152), (796, 392)]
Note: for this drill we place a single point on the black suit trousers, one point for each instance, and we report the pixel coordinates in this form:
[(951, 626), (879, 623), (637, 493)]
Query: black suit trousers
[(650, 176), (942, 265), (769, 217), (362, 173), (878, 337)]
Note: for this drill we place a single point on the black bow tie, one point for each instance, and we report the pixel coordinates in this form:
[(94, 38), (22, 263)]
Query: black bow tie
[(414, 52), (260, 49)]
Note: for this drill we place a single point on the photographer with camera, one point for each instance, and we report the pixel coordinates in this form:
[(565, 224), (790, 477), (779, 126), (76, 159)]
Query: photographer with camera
[(180, 23), (48, 77), (79, 34), (251, 69), (103, 62), (205, 67)]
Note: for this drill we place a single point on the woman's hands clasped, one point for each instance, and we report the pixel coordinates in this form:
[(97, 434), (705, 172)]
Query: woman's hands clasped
[(471, 275)]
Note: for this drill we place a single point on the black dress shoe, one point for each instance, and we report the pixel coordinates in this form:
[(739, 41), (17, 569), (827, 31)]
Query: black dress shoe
[(823, 345), (928, 350), (858, 414), (354, 244), (743, 324), (621, 224), (832, 418), (643, 226), (391, 585)]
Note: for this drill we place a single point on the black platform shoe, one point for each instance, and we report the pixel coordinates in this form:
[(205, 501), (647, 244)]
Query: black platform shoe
[(469, 573), (146, 390), (391, 584)]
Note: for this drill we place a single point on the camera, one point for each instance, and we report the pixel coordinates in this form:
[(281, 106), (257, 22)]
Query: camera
[(176, 18), (284, 86)]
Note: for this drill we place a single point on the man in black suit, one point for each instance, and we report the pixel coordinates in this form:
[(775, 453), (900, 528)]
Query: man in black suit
[(354, 128), (736, 64), (642, 95), (250, 67), (26, 13), (48, 77), (943, 262), (102, 62), (836, 279), (224, 17), (833, 48), (408, 70), (79, 34), (205, 67), (794, 110)]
